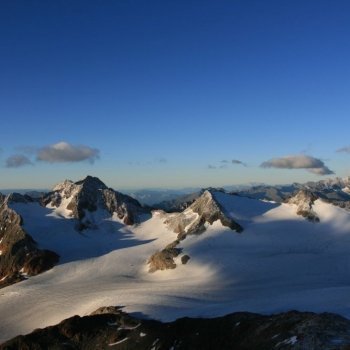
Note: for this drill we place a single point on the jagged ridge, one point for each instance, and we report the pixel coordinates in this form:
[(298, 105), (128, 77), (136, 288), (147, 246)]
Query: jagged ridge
[(110, 328)]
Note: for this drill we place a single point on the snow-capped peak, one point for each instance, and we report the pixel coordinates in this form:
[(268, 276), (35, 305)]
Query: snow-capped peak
[(304, 200), (204, 210), (77, 199)]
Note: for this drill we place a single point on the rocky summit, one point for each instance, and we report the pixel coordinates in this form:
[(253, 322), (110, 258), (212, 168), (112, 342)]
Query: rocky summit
[(304, 200), (89, 195), (194, 220), (204, 210)]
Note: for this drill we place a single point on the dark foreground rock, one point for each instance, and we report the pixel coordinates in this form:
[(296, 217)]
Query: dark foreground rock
[(110, 328)]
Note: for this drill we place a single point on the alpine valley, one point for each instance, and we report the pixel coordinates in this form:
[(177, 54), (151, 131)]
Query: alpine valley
[(87, 267)]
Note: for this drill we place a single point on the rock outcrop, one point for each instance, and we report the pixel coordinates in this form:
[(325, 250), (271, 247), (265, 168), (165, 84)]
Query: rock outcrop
[(19, 255), (110, 328), (164, 259)]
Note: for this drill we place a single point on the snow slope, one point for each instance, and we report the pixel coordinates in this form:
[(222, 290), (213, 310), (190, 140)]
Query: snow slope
[(279, 262)]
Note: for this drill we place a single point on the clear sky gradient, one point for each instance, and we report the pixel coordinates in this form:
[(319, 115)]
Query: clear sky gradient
[(164, 91)]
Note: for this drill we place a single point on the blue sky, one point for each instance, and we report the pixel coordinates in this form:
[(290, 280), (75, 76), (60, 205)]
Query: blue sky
[(161, 92)]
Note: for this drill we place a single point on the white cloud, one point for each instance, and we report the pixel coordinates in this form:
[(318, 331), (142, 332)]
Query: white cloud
[(313, 165), (64, 152)]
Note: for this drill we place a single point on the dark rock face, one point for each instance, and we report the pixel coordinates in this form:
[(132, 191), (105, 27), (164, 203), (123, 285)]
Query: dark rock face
[(304, 200), (91, 194), (110, 328), (19, 253)]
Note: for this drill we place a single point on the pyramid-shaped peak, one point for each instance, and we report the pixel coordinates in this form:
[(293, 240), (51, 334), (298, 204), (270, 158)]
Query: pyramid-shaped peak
[(92, 182)]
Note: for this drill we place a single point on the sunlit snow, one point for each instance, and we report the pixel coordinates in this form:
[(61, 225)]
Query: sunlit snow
[(279, 262)]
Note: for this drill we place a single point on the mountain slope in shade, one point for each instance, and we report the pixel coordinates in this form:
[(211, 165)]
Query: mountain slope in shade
[(110, 328), (19, 254), (80, 199)]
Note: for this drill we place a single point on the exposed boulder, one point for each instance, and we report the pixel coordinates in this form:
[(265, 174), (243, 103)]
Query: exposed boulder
[(185, 259), (164, 260)]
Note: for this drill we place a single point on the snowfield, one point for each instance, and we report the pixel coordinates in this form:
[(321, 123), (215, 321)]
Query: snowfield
[(279, 262)]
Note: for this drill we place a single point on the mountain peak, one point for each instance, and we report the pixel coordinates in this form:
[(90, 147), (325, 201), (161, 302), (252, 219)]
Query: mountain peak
[(92, 182), (76, 199), (205, 209), (304, 200)]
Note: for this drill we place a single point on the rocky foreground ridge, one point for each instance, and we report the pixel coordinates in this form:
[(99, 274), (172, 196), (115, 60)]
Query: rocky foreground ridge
[(110, 328)]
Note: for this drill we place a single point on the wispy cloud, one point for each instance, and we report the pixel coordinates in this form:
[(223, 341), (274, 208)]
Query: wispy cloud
[(155, 161), (239, 162), (29, 150), (311, 164), (345, 149), (17, 160), (64, 152), (224, 164)]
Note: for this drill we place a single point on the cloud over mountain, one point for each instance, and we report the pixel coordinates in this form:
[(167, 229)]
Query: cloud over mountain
[(311, 164), (64, 152), (17, 160)]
